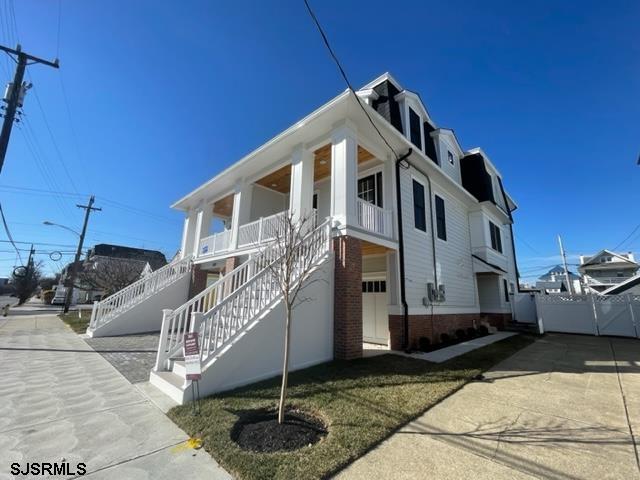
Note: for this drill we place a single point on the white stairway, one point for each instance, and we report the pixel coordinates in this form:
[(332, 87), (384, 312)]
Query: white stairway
[(240, 325), (137, 307)]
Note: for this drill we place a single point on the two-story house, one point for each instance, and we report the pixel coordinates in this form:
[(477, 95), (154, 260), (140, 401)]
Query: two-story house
[(606, 269), (413, 238)]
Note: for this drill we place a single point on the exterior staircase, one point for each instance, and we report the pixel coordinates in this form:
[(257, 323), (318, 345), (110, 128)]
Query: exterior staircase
[(136, 308), (239, 320)]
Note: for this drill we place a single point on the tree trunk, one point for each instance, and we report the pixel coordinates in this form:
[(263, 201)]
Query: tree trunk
[(285, 366)]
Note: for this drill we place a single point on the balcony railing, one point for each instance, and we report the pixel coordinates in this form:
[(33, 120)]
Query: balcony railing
[(605, 280), (214, 244), (374, 219), (260, 231)]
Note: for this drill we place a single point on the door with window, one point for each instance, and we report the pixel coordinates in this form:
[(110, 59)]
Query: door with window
[(370, 189), (375, 317)]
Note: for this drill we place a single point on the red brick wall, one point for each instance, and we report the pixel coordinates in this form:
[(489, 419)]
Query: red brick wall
[(347, 300), (230, 264), (433, 327), (198, 281)]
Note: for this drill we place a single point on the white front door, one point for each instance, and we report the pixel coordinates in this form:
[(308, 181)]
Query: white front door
[(375, 326)]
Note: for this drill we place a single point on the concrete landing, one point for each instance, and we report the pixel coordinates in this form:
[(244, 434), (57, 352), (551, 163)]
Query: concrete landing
[(453, 351)]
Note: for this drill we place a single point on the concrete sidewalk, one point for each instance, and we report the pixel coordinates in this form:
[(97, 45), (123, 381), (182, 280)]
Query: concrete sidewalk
[(562, 408), (61, 400)]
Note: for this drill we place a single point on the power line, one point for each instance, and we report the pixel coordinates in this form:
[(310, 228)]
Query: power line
[(627, 237), (344, 75), (8, 232)]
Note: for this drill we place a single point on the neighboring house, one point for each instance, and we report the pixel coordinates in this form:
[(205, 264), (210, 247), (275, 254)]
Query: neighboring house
[(555, 281), (607, 269), (630, 286), (409, 243)]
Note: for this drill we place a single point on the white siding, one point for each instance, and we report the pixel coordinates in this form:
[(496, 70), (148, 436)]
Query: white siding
[(453, 171), (323, 189), (265, 202)]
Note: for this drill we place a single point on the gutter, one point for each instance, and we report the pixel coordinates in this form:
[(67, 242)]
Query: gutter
[(401, 243)]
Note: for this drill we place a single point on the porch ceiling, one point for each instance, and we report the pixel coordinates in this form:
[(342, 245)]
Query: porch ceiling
[(369, 248), (280, 180), (224, 206)]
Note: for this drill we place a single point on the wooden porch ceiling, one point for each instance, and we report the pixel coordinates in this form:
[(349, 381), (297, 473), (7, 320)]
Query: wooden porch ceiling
[(369, 248), (224, 206), (280, 180)]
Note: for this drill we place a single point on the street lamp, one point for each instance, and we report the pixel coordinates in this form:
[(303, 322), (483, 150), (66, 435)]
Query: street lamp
[(72, 274)]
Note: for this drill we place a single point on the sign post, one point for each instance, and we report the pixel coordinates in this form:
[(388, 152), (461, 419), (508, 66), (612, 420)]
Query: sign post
[(193, 367)]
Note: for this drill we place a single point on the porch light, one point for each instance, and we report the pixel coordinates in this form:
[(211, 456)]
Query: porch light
[(322, 162)]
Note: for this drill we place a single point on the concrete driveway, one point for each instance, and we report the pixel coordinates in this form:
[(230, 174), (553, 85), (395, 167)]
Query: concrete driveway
[(566, 407), (62, 401)]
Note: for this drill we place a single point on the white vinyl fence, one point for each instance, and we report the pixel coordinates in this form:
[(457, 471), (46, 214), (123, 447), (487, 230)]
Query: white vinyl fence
[(524, 308), (590, 314)]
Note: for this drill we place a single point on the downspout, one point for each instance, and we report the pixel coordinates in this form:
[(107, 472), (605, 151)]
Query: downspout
[(403, 293), (401, 244)]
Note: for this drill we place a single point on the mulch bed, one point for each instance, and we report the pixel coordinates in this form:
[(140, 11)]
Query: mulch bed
[(259, 431)]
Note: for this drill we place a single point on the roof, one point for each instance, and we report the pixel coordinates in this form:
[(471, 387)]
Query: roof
[(591, 260), (558, 285), (622, 287), (558, 270), (155, 258)]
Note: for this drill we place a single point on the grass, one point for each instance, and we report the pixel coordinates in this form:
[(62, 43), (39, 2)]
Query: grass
[(362, 401), (78, 325)]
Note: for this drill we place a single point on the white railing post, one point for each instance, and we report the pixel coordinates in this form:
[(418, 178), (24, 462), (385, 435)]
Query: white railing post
[(260, 225), (164, 338), (92, 322)]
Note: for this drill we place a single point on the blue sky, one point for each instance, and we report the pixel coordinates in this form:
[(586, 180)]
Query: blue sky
[(162, 95)]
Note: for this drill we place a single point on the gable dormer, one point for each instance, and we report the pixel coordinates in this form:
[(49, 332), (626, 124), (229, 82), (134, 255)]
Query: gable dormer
[(448, 152)]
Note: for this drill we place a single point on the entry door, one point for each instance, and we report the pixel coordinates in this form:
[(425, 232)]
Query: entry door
[(375, 319)]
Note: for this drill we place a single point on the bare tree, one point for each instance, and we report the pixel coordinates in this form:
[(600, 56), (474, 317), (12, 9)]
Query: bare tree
[(291, 273), (25, 280), (109, 274)]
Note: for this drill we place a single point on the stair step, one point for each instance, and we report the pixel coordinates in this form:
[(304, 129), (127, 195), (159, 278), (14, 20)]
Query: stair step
[(521, 327)]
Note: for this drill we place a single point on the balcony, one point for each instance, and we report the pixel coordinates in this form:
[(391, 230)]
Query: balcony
[(260, 231), (608, 281), (374, 219), (215, 244)]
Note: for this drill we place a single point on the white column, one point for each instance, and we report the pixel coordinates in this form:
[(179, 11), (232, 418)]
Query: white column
[(301, 192), (188, 231), (241, 210), (344, 174), (202, 225)]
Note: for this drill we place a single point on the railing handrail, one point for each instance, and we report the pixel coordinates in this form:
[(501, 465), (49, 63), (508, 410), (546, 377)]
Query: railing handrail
[(372, 205), (109, 306), (176, 323)]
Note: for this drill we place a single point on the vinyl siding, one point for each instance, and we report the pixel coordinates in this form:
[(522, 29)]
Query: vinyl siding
[(265, 202)]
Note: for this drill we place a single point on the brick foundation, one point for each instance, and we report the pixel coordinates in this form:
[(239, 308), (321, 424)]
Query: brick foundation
[(433, 327), (230, 264), (347, 300), (198, 281)]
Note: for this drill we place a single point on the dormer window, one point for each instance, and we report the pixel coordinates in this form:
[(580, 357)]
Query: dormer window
[(415, 128), (450, 157)]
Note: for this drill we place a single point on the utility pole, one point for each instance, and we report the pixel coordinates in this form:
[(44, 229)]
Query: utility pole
[(566, 270), (74, 270), (15, 92)]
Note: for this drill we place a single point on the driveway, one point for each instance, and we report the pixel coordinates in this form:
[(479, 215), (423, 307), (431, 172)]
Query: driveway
[(566, 407), (62, 401)]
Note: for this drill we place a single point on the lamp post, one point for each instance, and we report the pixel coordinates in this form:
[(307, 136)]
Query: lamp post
[(71, 277)]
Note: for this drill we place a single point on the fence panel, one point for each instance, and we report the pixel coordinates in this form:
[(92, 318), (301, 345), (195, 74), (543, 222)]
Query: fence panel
[(614, 316), (524, 305), (566, 313)]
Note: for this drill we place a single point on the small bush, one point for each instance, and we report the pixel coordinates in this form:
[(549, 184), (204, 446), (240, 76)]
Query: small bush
[(472, 332), (461, 334), (445, 338), (47, 296), (483, 331), (424, 344)]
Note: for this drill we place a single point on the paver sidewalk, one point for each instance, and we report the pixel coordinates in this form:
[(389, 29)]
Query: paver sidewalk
[(554, 410), (61, 400)]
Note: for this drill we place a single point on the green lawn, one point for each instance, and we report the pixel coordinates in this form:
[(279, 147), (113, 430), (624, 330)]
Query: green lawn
[(78, 325), (362, 401)]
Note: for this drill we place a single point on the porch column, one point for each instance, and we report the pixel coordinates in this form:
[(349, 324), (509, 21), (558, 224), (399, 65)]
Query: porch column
[(344, 174), (188, 233), (347, 303), (301, 192), (241, 210), (202, 226)]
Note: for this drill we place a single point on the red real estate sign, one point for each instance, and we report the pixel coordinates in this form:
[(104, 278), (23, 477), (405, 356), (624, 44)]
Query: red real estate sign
[(192, 356)]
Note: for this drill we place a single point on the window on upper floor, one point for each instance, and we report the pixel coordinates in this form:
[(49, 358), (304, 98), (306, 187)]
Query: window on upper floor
[(370, 189), (496, 237), (414, 129), (505, 286), (441, 220), (450, 157), (419, 211)]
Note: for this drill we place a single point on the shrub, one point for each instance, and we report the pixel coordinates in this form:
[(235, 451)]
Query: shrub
[(47, 296), (445, 338), (461, 334), (472, 332), (483, 331), (424, 344)]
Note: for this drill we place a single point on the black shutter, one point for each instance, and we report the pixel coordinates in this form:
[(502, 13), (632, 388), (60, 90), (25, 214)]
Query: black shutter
[(506, 290), (379, 189), (418, 207), (441, 222)]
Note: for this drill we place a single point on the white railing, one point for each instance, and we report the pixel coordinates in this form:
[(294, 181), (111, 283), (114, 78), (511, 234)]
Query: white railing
[(139, 290), (373, 218), (605, 280), (260, 231), (216, 243), (229, 311)]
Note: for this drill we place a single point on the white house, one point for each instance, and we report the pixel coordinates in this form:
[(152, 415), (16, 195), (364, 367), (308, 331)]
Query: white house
[(413, 238), (555, 281), (606, 269)]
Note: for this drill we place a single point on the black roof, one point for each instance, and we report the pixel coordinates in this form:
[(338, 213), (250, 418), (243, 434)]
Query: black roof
[(155, 258)]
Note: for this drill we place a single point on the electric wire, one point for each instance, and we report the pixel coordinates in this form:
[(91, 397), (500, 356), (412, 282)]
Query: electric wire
[(8, 232)]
